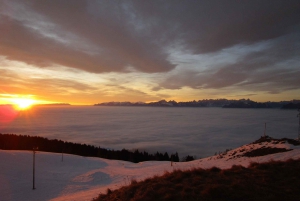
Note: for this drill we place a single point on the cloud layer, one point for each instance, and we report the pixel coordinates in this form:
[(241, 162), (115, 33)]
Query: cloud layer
[(247, 45), (273, 67)]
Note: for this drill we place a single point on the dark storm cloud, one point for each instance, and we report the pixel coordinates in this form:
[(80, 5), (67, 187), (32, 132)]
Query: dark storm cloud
[(105, 36)]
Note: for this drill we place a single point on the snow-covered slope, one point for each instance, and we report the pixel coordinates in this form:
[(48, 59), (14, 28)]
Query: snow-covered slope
[(83, 178)]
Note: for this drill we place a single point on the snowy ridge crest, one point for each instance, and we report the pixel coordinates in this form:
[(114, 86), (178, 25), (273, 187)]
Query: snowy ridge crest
[(261, 147)]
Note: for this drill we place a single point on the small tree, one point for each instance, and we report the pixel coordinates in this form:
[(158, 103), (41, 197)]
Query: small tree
[(188, 158)]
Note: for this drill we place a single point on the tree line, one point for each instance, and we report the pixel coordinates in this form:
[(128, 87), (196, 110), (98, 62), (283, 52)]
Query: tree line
[(26, 142)]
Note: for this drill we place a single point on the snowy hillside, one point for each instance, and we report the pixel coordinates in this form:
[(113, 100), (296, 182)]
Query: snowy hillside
[(83, 178)]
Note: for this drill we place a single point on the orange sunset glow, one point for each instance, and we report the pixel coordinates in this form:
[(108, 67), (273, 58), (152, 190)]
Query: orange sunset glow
[(19, 102), (12, 104), (49, 51)]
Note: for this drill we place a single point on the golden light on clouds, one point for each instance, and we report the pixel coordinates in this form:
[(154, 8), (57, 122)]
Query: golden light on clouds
[(46, 52)]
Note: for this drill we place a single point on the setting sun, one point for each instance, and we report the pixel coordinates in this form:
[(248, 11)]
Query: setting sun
[(23, 103)]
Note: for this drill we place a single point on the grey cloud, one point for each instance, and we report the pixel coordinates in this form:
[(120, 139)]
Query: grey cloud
[(122, 94), (209, 26), (156, 88), (274, 68), (125, 90), (108, 30), (244, 95), (104, 95), (272, 81), (138, 33)]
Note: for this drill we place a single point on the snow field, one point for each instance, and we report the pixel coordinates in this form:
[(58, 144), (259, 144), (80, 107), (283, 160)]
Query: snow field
[(83, 178)]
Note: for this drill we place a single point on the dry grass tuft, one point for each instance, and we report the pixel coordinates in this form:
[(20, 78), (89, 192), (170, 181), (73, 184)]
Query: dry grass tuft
[(260, 182)]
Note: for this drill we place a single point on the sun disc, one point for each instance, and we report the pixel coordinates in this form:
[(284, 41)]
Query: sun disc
[(23, 103)]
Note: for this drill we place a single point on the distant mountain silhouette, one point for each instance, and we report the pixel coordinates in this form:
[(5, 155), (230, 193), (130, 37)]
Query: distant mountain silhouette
[(53, 104), (247, 104), (225, 103)]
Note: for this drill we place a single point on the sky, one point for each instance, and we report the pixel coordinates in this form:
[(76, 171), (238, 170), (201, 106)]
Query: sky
[(87, 51)]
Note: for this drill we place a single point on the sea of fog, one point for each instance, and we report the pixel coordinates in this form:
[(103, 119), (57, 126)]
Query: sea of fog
[(199, 132)]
